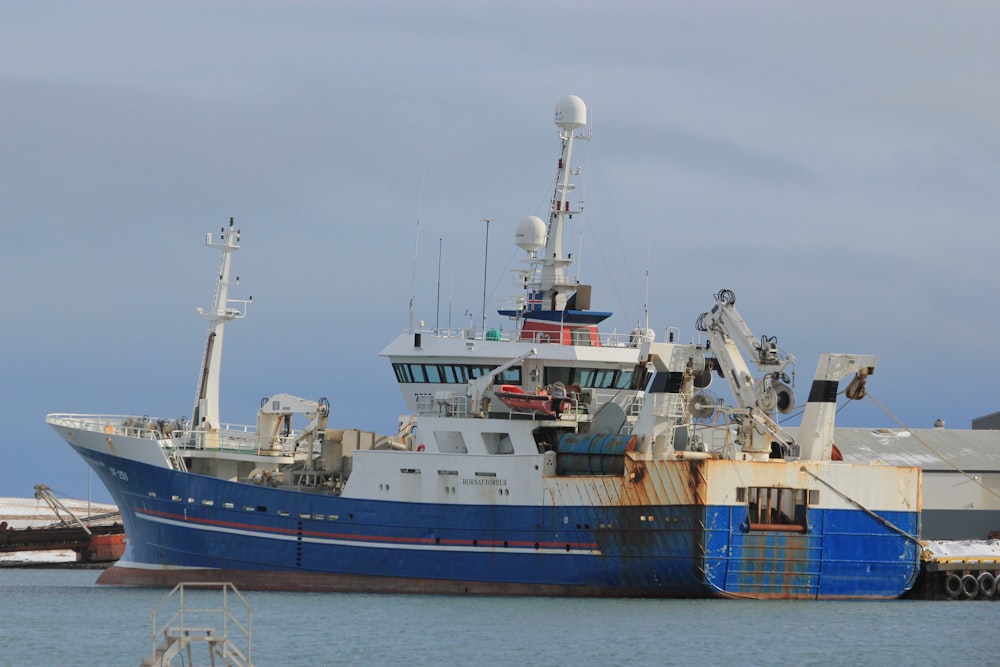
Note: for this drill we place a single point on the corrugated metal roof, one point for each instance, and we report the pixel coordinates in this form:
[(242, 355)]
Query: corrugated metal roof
[(987, 421), (928, 448)]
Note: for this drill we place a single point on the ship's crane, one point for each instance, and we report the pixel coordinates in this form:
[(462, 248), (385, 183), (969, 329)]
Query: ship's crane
[(729, 333), (274, 419), (43, 492), (757, 397), (478, 386)]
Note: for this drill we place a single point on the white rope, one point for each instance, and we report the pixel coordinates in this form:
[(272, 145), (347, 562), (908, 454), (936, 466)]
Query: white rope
[(928, 446)]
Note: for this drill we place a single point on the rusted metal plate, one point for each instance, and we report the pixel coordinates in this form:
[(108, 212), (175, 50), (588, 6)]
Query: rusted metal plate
[(645, 483)]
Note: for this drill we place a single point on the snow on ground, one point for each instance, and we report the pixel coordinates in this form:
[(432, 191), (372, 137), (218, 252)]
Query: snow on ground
[(963, 548), (55, 556)]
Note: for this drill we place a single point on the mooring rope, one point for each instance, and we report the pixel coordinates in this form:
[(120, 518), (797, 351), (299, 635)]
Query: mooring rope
[(885, 522)]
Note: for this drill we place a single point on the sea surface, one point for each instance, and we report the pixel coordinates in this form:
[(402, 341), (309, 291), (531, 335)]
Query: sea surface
[(60, 617)]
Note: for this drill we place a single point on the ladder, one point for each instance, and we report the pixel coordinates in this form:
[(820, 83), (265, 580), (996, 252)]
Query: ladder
[(190, 634)]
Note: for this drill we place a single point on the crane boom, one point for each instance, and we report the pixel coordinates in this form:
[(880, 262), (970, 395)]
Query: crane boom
[(731, 338)]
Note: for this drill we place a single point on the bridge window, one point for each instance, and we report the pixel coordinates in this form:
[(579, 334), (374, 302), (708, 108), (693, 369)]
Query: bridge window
[(405, 373), (589, 378), (450, 373), (598, 378), (623, 380), (510, 376)]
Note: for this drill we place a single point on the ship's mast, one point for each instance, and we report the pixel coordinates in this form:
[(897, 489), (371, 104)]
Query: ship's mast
[(206, 404), (571, 114)]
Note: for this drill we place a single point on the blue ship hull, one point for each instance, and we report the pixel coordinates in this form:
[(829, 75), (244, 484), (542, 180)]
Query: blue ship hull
[(182, 526)]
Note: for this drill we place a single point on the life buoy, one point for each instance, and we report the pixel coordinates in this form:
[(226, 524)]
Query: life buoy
[(420, 448), (970, 587), (953, 585), (987, 585)]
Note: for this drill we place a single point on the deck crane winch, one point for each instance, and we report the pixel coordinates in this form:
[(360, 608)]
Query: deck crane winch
[(730, 333), (757, 397)]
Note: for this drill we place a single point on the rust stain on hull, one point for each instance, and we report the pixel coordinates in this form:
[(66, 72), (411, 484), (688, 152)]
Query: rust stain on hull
[(644, 484)]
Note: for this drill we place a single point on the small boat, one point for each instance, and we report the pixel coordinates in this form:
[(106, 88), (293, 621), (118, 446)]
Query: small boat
[(518, 400)]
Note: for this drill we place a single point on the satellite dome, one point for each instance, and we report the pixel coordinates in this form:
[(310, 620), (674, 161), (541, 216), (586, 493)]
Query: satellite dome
[(571, 113), (530, 234)]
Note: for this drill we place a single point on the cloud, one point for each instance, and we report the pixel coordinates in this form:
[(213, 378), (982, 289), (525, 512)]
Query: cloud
[(833, 164)]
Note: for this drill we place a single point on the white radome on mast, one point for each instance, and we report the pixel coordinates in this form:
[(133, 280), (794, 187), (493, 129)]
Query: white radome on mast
[(571, 114)]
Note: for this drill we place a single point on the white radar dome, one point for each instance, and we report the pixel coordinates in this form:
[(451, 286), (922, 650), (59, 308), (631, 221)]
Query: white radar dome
[(571, 113), (530, 234)]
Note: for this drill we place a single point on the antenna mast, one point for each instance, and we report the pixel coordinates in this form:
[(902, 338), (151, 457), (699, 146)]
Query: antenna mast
[(486, 256), (571, 114), (437, 310), (205, 415)]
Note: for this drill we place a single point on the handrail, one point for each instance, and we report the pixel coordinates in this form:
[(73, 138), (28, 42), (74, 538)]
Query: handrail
[(236, 437), (608, 339), (167, 629), (235, 440)]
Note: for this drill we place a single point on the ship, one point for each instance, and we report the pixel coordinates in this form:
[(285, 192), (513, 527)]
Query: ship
[(631, 478)]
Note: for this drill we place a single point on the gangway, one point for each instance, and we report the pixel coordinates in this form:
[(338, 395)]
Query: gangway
[(191, 625)]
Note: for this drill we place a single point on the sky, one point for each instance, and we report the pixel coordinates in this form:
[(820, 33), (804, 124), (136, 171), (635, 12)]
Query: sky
[(835, 164)]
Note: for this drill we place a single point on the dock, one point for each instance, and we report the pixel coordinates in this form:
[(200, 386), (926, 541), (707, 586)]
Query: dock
[(959, 570), (94, 532), (102, 544)]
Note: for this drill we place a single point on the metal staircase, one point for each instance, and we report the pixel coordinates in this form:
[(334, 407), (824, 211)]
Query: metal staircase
[(190, 633)]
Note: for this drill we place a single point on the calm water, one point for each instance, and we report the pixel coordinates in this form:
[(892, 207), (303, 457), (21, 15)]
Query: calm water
[(59, 617)]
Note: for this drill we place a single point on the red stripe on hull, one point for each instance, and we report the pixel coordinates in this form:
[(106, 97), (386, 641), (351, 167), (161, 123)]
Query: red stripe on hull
[(366, 538)]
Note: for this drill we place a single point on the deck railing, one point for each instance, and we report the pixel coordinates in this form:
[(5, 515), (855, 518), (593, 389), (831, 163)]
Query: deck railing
[(223, 630), (171, 434), (608, 339)]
